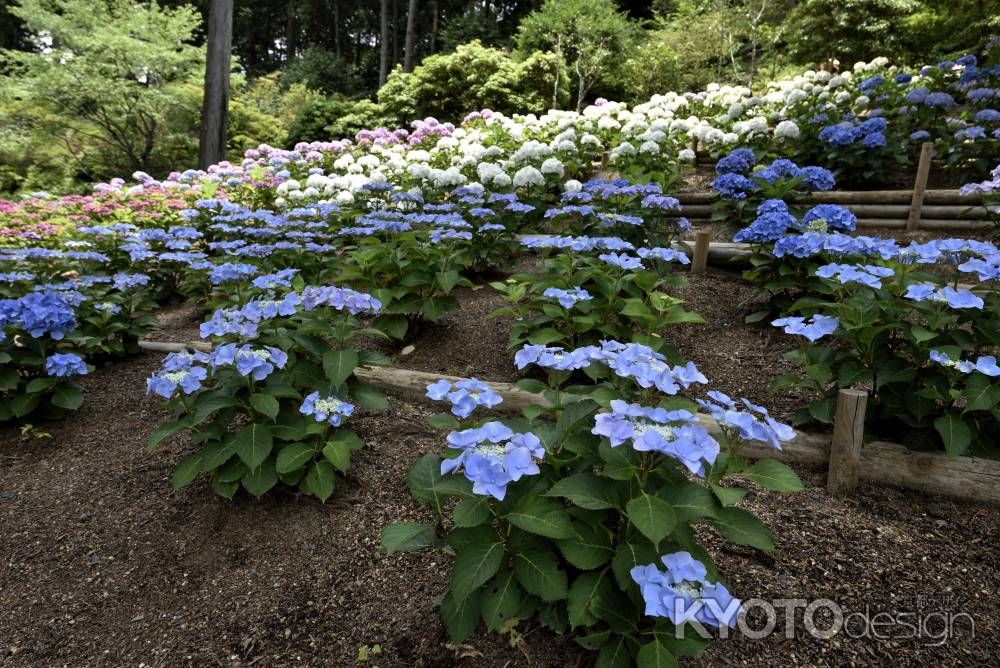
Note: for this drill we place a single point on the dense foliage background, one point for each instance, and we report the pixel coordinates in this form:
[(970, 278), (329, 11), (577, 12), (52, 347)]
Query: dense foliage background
[(91, 90)]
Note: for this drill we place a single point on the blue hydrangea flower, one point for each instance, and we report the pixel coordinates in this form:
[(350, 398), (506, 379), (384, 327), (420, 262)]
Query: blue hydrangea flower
[(229, 272), (465, 395), (865, 274), (682, 593), (745, 423), (165, 383), (827, 217), (45, 313), (673, 433), (954, 297), (621, 260), (739, 161), (63, 365), (733, 186), (326, 409), (814, 329), (647, 367), (258, 363), (817, 178), (552, 357), (664, 254), (568, 298), (492, 456), (771, 224)]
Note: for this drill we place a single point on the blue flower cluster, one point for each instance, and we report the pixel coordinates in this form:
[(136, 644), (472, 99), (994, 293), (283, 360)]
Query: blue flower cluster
[(953, 297), (683, 594), (493, 456), (869, 133), (63, 365), (984, 364), (42, 313), (465, 395), (813, 329), (866, 274), (673, 433), (746, 424), (772, 222), (568, 298), (326, 409)]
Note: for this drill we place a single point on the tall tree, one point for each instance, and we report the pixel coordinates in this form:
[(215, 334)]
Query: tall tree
[(383, 61), (411, 34), (215, 102)]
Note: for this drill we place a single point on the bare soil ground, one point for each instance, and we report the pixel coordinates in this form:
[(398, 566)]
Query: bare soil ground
[(103, 564)]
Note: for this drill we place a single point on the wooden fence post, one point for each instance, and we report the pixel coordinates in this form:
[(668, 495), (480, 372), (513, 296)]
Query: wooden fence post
[(702, 242), (848, 435), (920, 186)]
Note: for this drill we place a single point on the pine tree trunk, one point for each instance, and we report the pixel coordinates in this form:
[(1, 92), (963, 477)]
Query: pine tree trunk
[(434, 26), (336, 28), (383, 62), (411, 35), (291, 33), (395, 32), (215, 102)]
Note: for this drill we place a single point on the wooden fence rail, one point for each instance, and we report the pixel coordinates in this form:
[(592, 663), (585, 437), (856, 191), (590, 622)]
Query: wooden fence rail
[(846, 459)]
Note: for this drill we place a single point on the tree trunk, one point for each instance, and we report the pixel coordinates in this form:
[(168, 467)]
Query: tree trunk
[(336, 28), (411, 35), (395, 32), (383, 61), (215, 103), (434, 26), (291, 33)]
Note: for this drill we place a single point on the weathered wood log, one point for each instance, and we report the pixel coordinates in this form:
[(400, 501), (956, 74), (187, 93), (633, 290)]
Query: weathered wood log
[(927, 224), (928, 211), (702, 244), (171, 347), (846, 197), (920, 186), (848, 436)]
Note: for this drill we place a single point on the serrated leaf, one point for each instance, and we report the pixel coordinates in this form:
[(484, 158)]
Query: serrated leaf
[(339, 454), (538, 571), (319, 480), (586, 490), (542, 516), (474, 564), (460, 617), (294, 456), (690, 501), (589, 548), (652, 516), (265, 404), (501, 600), (68, 396), (655, 655), (954, 432), (743, 528), (774, 475), (472, 512), (253, 444), (164, 431), (186, 471), (407, 537), (260, 480), (581, 596), (338, 365)]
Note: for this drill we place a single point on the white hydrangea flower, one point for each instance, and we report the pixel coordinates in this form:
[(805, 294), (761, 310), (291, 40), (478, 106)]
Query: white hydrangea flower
[(786, 130), (552, 166), (528, 176), (572, 186), (345, 197), (686, 155)]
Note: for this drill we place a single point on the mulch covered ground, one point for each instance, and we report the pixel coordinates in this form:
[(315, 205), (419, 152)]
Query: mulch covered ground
[(103, 564)]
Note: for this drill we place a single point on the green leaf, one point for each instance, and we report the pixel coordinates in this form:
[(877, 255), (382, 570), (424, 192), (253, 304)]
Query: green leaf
[(501, 600), (651, 515), (225, 488), (538, 571), (319, 480), (954, 432), (408, 537), (443, 421), (589, 549), (40, 385), (655, 655), (980, 393), (728, 496), (542, 516), (472, 512), (265, 404), (428, 485), (531, 385), (348, 438), (392, 324), (743, 528), (68, 396), (756, 316), (447, 280), (460, 617), (186, 471), (586, 490), (338, 453), (338, 365), (581, 596), (474, 565), (259, 480), (9, 377), (690, 501), (614, 654), (628, 557), (216, 453), (164, 431), (369, 396), (294, 456), (253, 444), (774, 475), (22, 404)]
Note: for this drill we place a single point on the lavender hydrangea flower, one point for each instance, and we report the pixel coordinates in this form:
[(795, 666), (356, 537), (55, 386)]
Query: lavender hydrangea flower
[(866, 274), (954, 297), (492, 456), (165, 383), (326, 409), (683, 593), (552, 357), (814, 329), (673, 433), (568, 298), (985, 364), (745, 423), (465, 395)]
